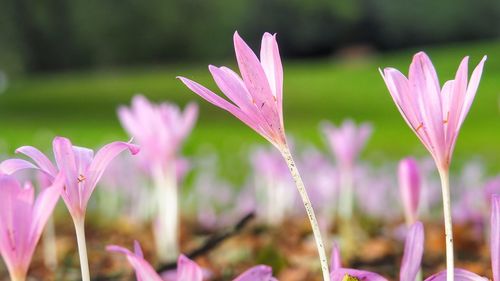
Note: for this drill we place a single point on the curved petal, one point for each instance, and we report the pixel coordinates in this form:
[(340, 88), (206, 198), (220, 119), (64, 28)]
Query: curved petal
[(257, 273), (44, 205), (101, 160), (460, 275), (340, 274), (143, 270), (39, 158), (472, 89), (495, 236), (335, 260), (414, 249), (271, 63), (13, 165), (188, 270)]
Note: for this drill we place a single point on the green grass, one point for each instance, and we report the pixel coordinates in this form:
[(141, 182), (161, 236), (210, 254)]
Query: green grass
[(82, 106)]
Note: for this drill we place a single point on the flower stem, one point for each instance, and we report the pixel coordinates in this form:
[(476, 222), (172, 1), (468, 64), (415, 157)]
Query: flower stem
[(82, 248), (49, 245), (167, 220), (448, 226), (309, 209)]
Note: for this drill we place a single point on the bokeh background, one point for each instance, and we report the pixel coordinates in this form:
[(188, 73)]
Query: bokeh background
[(66, 65)]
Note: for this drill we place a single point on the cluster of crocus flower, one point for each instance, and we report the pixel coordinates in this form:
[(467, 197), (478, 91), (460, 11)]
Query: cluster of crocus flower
[(187, 270), (160, 129), (81, 170)]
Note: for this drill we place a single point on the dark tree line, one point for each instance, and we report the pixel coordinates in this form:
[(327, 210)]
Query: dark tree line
[(54, 35)]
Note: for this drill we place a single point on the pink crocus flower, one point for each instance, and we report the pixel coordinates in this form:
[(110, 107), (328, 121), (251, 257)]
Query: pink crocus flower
[(409, 187), (464, 275), (346, 141), (414, 248), (257, 100), (22, 220), (257, 96), (160, 129), (81, 169), (187, 270), (435, 115)]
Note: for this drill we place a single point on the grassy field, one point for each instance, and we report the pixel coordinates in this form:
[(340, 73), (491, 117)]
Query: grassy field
[(82, 106)]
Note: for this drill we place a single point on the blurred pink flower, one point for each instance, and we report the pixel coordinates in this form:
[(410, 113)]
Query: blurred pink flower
[(82, 170), (22, 219), (346, 141), (160, 129), (410, 265), (409, 187), (256, 98), (434, 114), (187, 270)]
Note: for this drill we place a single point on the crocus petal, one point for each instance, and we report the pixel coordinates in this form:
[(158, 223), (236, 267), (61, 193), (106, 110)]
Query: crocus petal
[(253, 75), (257, 273), (65, 158), (101, 160), (11, 166), (222, 103), (188, 270), (335, 259), (39, 158), (271, 63), (409, 186), (45, 204), (339, 274), (472, 89), (414, 249), (460, 275), (143, 270), (495, 236)]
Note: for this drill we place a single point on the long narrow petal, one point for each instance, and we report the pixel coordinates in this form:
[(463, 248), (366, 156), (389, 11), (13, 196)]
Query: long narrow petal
[(495, 236), (65, 158), (414, 249), (143, 270), (253, 74), (44, 205), (460, 275), (335, 260), (39, 158), (101, 160), (257, 273), (188, 270), (222, 103), (271, 63), (11, 166), (472, 89)]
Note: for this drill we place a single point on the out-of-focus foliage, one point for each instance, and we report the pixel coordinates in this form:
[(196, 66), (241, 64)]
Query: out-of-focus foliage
[(58, 34)]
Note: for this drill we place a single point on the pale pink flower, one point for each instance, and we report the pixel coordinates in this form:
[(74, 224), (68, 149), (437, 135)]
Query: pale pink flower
[(410, 265), (346, 141), (22, 219), (409, 187), (82, 170), (434, 114), (160, 129), (187, 270), (256, 97)]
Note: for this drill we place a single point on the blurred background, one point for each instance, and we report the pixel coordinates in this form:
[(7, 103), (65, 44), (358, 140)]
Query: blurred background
[(66, 65)]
